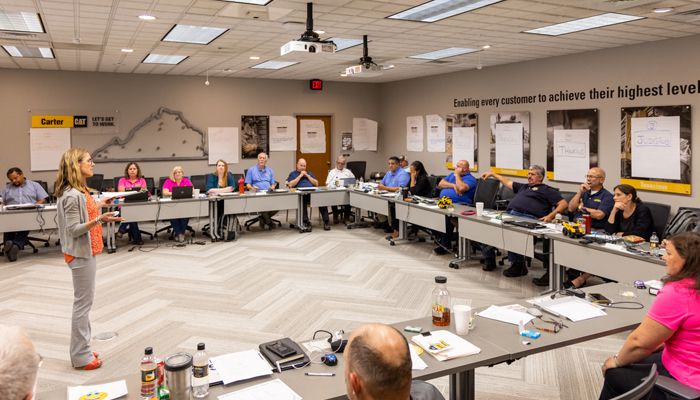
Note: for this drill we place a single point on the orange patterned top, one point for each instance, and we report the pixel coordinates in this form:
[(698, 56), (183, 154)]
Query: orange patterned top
[(95, 232)]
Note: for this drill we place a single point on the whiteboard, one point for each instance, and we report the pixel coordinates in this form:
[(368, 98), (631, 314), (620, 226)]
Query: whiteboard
[(364, 134), (463, 139), (571, 154), (47, 146), (656, 147), (223, 144), (509, 146)]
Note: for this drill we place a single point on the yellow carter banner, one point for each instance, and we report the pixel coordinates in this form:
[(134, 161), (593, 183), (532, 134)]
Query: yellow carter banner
[(52, 121)]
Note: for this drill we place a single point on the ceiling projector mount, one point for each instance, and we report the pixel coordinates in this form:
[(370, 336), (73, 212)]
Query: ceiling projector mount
[(309, 42), (367, 68)]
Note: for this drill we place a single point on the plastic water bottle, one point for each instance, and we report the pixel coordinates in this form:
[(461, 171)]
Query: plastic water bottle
[(149, 376), (200, 373), (654, 244)]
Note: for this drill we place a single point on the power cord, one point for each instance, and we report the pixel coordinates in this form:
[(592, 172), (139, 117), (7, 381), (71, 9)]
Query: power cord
[(615, 305)]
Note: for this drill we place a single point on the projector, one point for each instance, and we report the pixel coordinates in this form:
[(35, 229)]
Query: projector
[(364, 70), (317, 47)]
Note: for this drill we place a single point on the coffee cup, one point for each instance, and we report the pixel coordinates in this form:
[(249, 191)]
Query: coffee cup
[(479, 208)]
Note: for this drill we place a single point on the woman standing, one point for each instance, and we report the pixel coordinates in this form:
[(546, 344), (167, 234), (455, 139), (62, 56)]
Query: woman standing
[(132, 180), (669, 336), (177, 178), (80, 230)]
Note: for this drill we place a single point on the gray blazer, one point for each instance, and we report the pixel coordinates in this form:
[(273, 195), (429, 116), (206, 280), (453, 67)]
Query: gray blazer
[(73, 224)]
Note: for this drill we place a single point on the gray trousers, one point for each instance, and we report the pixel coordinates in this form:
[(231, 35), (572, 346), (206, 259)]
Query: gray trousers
[(83, 270)]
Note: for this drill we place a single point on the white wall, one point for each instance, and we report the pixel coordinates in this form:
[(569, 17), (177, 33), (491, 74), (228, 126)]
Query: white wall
[(675, 60)]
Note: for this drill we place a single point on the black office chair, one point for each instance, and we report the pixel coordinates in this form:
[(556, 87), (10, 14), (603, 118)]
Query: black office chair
[(505, 194), (95, 181), (486, 191), (434, 181), (643, 390), (659, 213), (199, 182), (255, 220), (151, 186), (236, 178), (567, 195), (358, 168)]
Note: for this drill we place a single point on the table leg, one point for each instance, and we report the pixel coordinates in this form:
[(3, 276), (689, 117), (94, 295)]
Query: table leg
[(213, 220), (462, 385)]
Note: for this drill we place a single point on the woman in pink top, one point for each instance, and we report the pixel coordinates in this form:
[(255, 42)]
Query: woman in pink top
[(132, 180), (669, 336), (177, 178)]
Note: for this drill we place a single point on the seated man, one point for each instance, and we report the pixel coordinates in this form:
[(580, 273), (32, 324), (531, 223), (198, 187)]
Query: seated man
[(20, 190), (403, 164), (533, 200), (300, 177), (19, 364), (262, 177), (592, 198), (333, 179), (378, 366), (460, 187), (393, 181)]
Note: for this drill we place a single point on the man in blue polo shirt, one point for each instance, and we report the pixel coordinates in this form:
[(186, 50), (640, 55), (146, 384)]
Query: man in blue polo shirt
[(20, 190), (261, 177), (533, 200), (395, 179), (299, 178), (460, 187)]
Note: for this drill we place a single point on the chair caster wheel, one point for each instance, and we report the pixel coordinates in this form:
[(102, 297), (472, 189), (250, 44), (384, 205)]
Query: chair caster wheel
[(453, 265)]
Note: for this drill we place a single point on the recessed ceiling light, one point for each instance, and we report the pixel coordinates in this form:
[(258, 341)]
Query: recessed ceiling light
[(147, 17), (193, 34), (444, 53), (127, 50), (255, 2), (254, 57), (663, 10), (320, 32), (275, 64), (228, 70), (486, 46), (21, 22), (29, 52), (342, 44), (577, 25), (343, 75), (436, 10), (163, 59)]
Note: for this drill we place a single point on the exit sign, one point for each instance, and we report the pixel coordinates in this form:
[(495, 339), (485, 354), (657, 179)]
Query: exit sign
[(316, 84)]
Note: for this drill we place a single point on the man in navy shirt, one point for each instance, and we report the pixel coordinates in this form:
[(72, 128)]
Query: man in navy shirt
[(300, 178), (20, 190), (533, 200), (460, 187), (261, 177)]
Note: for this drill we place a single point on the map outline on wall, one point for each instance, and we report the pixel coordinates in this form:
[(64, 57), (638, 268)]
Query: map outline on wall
[(126, 153)]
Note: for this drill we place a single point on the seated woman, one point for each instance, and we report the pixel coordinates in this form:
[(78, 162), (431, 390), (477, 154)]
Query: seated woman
[(220, 181), (132, 180), (419, 186), (629, 216), (177, 178), (669, 336)]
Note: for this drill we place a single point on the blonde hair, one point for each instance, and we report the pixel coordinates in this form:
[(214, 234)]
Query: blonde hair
[(69, 175), (172, 173), (222, 180)]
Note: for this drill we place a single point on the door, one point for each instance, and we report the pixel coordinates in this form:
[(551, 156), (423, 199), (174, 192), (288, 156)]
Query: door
[(318, 155)]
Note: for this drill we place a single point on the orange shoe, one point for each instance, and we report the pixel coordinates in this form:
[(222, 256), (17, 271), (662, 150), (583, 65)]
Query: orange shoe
[(94, 364)]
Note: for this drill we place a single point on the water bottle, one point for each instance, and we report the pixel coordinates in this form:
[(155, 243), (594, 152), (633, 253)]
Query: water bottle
[(654, 244), (200, 373), (149, 367), (241, 186), (441, 302)]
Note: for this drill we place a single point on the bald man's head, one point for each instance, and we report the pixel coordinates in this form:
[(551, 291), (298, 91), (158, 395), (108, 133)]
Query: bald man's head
[(377, 364)]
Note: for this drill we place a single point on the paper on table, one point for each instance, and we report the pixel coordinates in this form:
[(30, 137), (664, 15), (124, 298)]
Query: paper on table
[(260, 193), (275, 389), (240, 366), (104, 391), (111, 195), (416, 361), (576, 309), (505, 314)]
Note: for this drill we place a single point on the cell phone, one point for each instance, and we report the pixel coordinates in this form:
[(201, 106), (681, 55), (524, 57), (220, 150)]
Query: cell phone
[(469, 212), (115, 213), (599, 298), (281, 349)]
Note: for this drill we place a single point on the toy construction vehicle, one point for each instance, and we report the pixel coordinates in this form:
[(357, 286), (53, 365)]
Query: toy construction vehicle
[(573, 230)]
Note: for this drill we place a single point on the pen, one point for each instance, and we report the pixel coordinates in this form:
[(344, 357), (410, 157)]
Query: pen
[(319, 374)]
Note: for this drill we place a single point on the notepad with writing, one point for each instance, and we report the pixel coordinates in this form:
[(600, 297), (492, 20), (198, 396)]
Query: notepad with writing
[(445, 345)]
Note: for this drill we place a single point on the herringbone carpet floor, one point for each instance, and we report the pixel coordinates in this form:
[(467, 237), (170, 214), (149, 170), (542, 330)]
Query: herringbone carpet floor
[(266, 285)]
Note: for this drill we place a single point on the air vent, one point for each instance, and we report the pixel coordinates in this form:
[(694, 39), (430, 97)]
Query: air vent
[(439, 62), (79, 46), (695, 13), (685, 16), (17, 35)]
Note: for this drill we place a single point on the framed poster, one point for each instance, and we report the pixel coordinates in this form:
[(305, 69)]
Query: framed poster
[(255, 135)]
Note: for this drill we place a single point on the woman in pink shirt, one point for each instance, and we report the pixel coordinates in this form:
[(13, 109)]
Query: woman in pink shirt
[(132, 180), (177, 178), (669, 336)]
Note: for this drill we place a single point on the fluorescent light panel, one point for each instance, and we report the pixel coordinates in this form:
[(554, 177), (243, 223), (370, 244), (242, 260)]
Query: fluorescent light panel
[(444, 53), (163, 59), (275, 64), (255, 2), (436, 10), (21, 22), (342, 44), (193, 34), (583, 24), (29, 52)]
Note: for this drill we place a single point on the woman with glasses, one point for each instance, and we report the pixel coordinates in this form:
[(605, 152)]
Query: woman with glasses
[(132, 180), (177, 178), (80, 230)]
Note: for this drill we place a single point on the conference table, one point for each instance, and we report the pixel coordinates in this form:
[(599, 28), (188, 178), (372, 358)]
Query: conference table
[(32, 219), (499, 342)]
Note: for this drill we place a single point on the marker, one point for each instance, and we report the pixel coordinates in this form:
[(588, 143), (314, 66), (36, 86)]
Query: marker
[(319, 374)]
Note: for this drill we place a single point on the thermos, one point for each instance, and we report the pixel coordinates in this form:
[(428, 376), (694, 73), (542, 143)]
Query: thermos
[(241, 186)]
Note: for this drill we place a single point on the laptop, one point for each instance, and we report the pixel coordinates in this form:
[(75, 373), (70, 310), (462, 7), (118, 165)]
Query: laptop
[(137, 197), (347, 182), (307, 189), (182, 192)]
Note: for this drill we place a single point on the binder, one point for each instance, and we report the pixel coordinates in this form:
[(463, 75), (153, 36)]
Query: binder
[(297, 360)]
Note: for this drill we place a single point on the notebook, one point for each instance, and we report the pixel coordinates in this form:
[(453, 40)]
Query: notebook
[(182, 192), (444, 345)]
